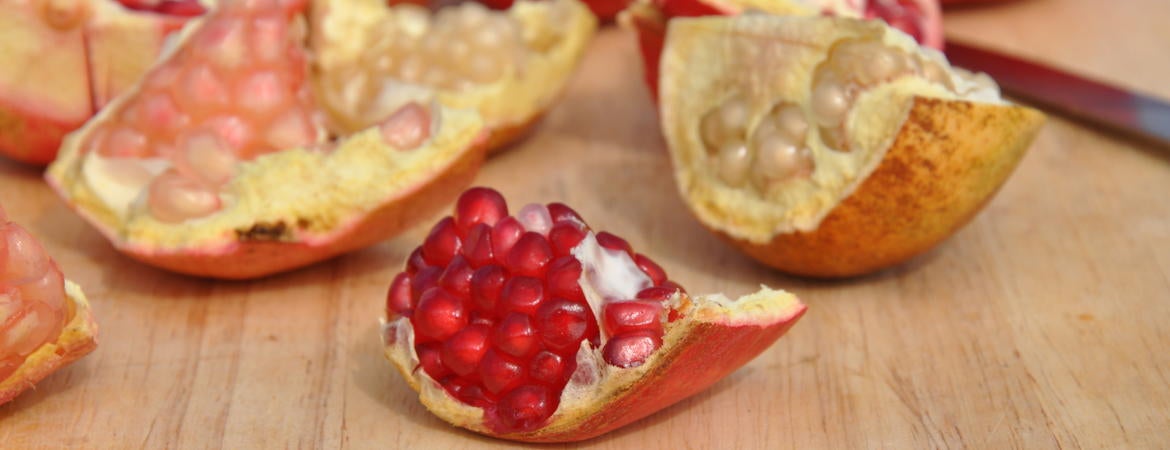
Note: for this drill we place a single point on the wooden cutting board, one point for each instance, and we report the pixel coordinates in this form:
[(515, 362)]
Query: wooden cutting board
[(1044, 323)]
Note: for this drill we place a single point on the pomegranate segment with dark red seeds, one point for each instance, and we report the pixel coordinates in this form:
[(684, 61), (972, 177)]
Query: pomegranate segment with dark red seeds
[(501, 305)]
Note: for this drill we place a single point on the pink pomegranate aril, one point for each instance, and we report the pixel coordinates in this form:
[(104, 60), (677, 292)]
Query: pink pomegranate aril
[(398, 299), (516, 336), (612, 242), (565, 236), (479, 205), (650, 268), (486, 285), (632, 349), (477, 247), (439, 315), (526, 407), (456, 279), (442, 243), (530, 256), (549, 368), (563, 278), (499, 372), (638, 315), (504, 236), (523, 294), (563, 324), (465, 349), (431, 360)]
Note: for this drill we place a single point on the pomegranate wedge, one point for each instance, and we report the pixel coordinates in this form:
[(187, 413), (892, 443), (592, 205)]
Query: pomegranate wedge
[(45, 322), (534, 327), (219, 162), (509, 66), (831, 147), (61, 61)]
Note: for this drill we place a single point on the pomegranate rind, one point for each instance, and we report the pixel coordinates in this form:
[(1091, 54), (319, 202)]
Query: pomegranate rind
[(77, 339), (713, 337), (53, 78), (344, 30), (928, 159), (290, 208)]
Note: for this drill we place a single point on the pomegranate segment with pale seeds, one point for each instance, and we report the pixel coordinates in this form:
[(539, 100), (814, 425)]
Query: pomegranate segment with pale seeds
[(44, 319), (534, 327), (61, 61), (509, 66), (828, 146), (221, 163)]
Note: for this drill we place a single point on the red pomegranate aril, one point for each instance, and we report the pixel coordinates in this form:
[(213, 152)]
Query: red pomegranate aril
[(637, 315), (415, 262), (431, 360), (563, 324), (423, 281), (523, 294), (565, 236), (631, 350), (398, 299), (439, 315), (477, 247), (549, 368), (612, 242), (562, 213), (442, 243), (479, 205), (530, 256), (468, 392), (486, 284), (456, 279), (650, 268), (499, 372), (526, 407), (516, 336), (504, 236), (673, 286), (182, 8), (563, 278), (465, 349), (657, 293)]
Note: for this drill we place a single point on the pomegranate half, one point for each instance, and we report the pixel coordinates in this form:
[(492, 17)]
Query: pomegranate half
[(831, 147), (534, 327), (922, 19), (45, 321), (218, 163), (61, 61), (509, 66)]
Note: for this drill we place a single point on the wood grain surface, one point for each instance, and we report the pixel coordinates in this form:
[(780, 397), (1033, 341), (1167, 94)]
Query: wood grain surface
[(1045, 323)]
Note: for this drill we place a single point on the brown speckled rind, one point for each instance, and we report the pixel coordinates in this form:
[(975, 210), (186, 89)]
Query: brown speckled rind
[(77, 339), (948, 160)]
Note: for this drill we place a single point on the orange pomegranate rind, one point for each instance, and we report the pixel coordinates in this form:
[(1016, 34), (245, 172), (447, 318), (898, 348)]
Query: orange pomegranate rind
[(713, 337), (556, 33), (924, 159), (78, 338)]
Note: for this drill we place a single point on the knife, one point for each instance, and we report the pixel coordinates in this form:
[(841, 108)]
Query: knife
[(1118, 109)]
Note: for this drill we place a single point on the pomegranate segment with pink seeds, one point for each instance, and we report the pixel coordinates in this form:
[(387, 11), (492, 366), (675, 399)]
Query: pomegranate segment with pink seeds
[(44, 321), (221, 162), (535, 330)]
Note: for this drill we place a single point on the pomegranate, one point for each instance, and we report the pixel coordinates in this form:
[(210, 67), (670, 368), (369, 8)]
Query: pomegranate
[(45, 321), (831, 147), (510, 66), (604, 9), (922, 19), (534, 327), (219, 162), (61, 61)]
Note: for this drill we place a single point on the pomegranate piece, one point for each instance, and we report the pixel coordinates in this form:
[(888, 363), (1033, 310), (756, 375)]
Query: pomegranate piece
[(221, 162), (44, 319), (570, 347)]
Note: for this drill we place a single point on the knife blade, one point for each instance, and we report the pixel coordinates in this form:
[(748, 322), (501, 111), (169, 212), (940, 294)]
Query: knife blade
[(1118, 109)]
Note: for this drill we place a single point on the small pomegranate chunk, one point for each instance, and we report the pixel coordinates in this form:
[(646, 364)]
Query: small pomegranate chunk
[(527, 328)]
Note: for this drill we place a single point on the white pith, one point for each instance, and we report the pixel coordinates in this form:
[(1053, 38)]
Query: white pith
[(770, 60)]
